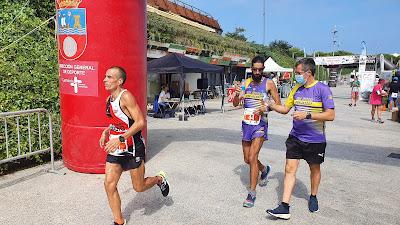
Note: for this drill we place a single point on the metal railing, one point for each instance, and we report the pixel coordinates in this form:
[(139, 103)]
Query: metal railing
[(25, 130), (194, 9), (285, 89)]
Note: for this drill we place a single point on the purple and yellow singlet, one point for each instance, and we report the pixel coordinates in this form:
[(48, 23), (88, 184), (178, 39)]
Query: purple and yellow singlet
[(254, 95), (316, 97)]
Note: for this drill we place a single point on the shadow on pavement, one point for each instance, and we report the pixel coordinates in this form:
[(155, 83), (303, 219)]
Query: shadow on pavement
[(29, 177), (151, 201), (367, 119), (300, 190), (243, 171), (159, 139), (212, 110)]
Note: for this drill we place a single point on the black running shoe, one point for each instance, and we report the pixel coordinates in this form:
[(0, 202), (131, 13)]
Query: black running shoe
[(280, 212), (313, 204), (164, 186)]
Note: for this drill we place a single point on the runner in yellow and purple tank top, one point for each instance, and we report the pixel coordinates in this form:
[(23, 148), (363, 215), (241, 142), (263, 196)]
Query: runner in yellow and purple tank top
[(313, 105), (255, 124), (253, 99)]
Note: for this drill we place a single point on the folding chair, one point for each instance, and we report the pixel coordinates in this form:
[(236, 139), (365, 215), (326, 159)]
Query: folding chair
[(158, 113)]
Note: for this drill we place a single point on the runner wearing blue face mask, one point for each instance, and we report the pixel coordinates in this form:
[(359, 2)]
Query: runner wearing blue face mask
[(300, 79), (313, 105)]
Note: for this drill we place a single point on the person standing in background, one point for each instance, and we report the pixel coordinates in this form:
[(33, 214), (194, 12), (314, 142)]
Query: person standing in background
[(376, 100)]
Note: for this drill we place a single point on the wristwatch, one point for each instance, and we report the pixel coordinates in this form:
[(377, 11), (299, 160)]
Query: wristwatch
[(121, 138), (308, 116)]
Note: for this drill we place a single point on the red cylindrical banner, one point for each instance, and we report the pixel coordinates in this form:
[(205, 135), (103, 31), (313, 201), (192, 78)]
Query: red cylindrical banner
[(92, 36)]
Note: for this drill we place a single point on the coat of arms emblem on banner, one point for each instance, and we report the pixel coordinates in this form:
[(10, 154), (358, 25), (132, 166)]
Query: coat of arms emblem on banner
[(71, 29)]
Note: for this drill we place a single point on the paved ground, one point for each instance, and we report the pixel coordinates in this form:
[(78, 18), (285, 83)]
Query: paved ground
[(203, 158)]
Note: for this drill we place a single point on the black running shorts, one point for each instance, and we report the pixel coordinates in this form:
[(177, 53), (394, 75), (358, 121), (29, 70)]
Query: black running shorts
[(127, 162), (313, 153)]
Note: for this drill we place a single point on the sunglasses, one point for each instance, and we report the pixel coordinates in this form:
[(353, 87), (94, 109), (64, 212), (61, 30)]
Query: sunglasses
[(257, 69)]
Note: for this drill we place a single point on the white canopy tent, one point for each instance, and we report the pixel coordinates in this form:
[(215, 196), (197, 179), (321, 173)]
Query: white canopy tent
[(271, 66)]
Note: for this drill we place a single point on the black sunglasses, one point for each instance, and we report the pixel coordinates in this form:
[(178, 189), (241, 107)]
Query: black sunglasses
[(257, 69)]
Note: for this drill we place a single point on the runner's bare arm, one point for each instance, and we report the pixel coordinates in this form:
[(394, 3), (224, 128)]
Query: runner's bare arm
[(106, 132), (283, 109), (274, 92), (275, 96), (326, 115), (238, 97), (128, 102)]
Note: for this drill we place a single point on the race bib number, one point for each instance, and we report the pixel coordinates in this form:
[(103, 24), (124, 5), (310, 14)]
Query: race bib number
[(250, 118), (394, 95), (123, 147)]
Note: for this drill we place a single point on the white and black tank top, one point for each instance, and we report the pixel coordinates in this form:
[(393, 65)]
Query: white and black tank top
[(120, 123)]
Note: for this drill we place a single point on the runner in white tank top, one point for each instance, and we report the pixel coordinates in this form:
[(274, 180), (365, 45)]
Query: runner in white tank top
[(123, 142), (119, 124)]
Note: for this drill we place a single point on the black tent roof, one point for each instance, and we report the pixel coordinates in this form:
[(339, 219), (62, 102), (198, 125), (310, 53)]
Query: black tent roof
[(178, 63)]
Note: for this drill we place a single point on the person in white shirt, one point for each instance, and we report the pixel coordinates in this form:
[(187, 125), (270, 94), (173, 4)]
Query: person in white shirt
[(163, 97)]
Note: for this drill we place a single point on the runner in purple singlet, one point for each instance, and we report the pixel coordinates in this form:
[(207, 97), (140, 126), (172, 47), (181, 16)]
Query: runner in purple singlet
[(257, 90)]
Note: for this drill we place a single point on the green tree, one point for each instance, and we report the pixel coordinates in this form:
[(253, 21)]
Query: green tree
[(281, 59), (238, 34), (281, 46), (28, 68), (320, 53), (296, 52), (342, 52), (43, 9)]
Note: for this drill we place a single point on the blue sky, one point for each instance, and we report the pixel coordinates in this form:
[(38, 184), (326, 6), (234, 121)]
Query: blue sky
[(309, 23)]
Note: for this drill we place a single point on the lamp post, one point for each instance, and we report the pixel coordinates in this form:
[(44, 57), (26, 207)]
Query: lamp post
[(264, 16), (364, 44), (334, 40)]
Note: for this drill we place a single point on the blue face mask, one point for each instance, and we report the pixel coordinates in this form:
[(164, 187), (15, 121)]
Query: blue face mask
[(300, 79)]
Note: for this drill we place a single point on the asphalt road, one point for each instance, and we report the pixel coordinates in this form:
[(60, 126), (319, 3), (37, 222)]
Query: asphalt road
[(204, 163)]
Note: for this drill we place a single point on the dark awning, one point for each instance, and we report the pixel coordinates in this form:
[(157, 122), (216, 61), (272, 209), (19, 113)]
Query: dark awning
[(178, 63)]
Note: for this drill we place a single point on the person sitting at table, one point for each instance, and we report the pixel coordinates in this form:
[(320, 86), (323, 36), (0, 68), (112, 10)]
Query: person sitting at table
[(163, 98)]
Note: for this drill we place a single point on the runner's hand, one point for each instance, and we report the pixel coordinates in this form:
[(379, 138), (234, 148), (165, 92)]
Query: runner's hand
[(102, 140), (112, 145), (260, 111), (238, 91), (270, 104), (299, 115)]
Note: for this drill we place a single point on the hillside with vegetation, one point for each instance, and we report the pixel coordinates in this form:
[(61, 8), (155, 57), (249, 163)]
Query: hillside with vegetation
[(28, 57)]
